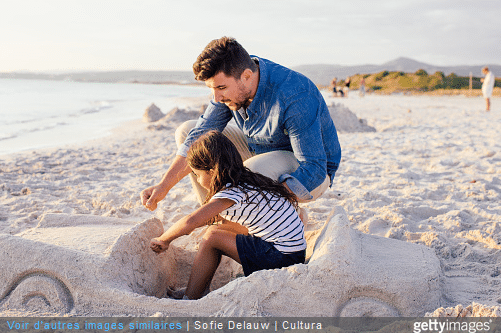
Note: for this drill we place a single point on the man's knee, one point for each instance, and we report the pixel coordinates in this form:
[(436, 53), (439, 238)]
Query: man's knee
[(273, 164), (183, 130), (276, 163)]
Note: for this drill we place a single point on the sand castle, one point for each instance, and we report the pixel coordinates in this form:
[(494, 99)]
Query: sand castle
[(109, 270)]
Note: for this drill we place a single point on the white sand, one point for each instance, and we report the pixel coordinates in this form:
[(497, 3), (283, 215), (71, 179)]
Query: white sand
[(430, 174)]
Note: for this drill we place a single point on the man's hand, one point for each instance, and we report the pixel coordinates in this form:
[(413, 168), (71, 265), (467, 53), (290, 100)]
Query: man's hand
[(151, 196), (158, 246)]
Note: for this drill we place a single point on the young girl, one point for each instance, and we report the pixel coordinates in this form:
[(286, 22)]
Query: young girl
[(253, 219)]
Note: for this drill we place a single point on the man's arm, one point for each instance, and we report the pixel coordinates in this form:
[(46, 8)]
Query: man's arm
[(151, 196), (215, 117), (303, 125)]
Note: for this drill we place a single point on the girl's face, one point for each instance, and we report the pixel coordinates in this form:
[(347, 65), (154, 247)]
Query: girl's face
[(204, 178)]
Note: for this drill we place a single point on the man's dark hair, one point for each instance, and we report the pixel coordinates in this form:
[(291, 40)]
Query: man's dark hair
[(222, 55)]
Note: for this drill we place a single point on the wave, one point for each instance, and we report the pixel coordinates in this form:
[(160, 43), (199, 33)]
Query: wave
[(28, 121), (22, 132), (8, 137), (101, 105)]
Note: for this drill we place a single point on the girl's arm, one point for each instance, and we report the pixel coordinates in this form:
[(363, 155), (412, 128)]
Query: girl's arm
[(233, 227), (190, 222)]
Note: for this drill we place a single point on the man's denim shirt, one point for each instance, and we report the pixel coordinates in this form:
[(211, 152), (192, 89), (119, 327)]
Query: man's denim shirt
[(287, 113)]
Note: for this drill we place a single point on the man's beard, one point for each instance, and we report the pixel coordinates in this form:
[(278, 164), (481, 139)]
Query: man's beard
[(237, 106), (242, 100)]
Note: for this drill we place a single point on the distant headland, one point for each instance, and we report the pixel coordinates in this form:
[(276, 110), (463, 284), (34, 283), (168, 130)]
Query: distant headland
[(399, 75)]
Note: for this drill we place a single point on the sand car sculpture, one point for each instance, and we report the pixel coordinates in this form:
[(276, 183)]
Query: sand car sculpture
[(87, 265)]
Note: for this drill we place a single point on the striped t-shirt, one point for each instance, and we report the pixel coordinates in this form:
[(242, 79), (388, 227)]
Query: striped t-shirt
[(273, 219)]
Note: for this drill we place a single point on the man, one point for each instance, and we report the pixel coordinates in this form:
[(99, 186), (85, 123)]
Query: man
[(283, 126), (487, 87)]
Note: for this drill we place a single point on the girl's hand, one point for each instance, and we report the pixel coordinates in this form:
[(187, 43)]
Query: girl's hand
[(158, 246)]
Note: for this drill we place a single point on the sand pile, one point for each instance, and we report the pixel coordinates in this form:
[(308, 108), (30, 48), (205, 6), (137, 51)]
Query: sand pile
[(472, 310), (346, 121), (152, 113)]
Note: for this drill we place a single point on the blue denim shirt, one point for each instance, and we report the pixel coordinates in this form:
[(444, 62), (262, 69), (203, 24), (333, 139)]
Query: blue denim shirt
[(288, 112)]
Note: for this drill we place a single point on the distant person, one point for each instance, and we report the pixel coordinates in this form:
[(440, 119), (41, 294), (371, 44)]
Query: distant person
[(334, 88), (258, 225), (362, 88), (347, 83), (487, 86), (283, 126)]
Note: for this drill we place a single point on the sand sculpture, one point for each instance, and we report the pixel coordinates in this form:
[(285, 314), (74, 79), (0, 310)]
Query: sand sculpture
[(89, 265)]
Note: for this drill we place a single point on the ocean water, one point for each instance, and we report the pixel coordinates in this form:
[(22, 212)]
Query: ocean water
[(38, 114)]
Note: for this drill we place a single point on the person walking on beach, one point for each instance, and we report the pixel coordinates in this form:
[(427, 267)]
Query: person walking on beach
[(283, 126), (347, 83), (362, 88), (335, 90), (487, 86), (258, 225)]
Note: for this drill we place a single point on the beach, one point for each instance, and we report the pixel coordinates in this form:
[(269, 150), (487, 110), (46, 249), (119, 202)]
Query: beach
[(429, 174)]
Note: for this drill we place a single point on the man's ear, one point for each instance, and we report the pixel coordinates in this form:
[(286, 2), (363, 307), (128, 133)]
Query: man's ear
[(246, 74)]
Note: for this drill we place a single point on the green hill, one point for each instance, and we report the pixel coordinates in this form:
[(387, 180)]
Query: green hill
[(420, 81)]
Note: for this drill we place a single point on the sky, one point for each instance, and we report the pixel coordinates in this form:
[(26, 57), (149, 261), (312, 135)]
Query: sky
[(106, 35)]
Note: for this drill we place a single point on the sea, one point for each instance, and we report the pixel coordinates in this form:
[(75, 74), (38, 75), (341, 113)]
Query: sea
[(37, 114)]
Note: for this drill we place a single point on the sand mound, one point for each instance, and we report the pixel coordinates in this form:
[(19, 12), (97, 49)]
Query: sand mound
[(173, 118), (152, 114), (472, 310), (346, 121)]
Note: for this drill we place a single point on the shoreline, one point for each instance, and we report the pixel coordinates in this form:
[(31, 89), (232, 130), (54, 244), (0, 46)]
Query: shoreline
[(121, 130)]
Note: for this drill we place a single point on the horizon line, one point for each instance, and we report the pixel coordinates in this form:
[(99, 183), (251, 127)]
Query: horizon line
[(77, 71)]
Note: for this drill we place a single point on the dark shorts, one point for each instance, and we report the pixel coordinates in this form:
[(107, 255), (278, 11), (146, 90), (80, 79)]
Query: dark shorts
[(256, 254)]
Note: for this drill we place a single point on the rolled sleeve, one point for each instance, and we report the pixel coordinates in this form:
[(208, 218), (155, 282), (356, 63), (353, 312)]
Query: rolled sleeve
[(296, 187), (215, 117), (183, 150)]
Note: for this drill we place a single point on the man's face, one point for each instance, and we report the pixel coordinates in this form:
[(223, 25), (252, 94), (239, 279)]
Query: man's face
[(230, 91)]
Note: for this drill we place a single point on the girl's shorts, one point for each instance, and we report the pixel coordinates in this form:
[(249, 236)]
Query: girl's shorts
[(256, 254)]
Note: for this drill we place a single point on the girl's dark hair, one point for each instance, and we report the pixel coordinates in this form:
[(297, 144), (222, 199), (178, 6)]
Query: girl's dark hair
[(214, 151), (222, 55)]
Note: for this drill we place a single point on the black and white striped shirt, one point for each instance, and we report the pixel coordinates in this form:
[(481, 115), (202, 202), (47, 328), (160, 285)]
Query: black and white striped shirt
[(268, 217)]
